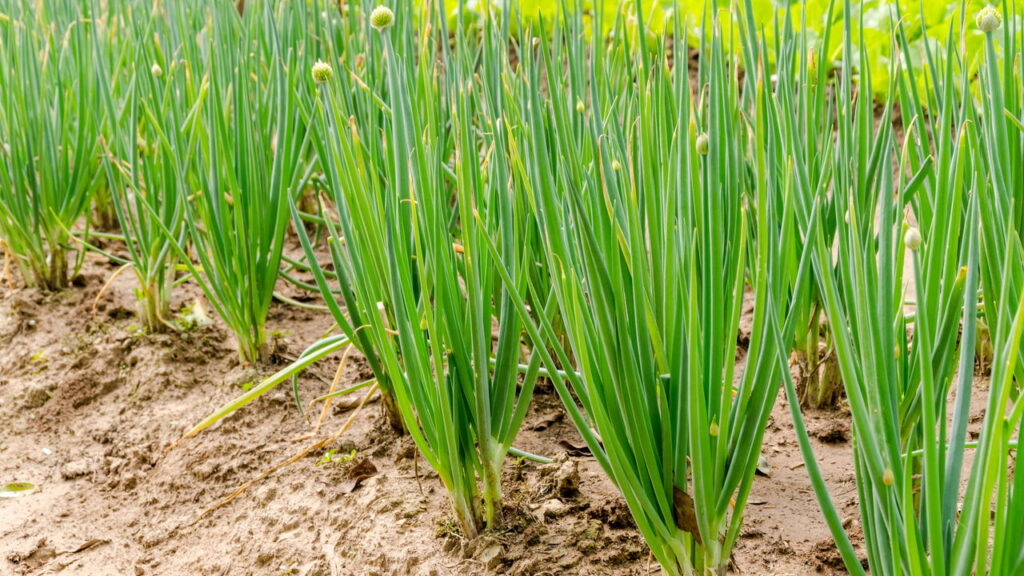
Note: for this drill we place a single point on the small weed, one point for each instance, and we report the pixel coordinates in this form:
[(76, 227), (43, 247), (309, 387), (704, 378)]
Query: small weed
[(332, 457)]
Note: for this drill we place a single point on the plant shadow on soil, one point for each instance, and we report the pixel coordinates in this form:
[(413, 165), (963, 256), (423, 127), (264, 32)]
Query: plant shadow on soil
[(89, 408)]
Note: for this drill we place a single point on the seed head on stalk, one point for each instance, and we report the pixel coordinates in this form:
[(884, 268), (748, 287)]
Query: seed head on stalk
[(156, 71), (989, 19), (913, 239), (382, 18), (703, 144), (322, 72)]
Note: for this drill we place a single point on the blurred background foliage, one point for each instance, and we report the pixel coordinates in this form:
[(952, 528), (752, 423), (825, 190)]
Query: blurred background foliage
[(928, 24)]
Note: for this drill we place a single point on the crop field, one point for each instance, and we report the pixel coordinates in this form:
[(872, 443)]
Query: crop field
[(373, 288)]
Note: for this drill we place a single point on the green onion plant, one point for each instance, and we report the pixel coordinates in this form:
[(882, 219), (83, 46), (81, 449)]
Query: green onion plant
[(1000, 122), (154, 140), (905, 344), (249, 163), (50, 126), (642, 191), (421, 277)]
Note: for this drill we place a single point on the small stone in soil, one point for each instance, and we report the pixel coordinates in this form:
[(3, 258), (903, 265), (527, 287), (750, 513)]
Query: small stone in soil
[(553, 508)]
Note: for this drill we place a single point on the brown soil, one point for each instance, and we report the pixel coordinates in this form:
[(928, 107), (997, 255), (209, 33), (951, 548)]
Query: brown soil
[(89, 408)]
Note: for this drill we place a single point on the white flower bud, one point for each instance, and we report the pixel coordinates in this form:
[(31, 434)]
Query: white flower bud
[(912, 239), (322, 72), (989, 19), (703, 144), (382, 18)]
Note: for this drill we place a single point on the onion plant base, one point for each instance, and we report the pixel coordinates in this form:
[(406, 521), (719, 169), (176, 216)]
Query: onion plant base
[(54, 276), (104, 215), (818, 381), (153, 306), (48, 272), (253, 347), (391, 412)]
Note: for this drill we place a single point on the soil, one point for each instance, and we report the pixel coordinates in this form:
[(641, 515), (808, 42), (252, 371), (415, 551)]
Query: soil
[(90, 408)]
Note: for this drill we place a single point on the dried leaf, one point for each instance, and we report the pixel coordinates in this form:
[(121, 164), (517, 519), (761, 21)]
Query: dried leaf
[(547, 421), (685, 513), (89, 544), (575, 450), (357, 473)]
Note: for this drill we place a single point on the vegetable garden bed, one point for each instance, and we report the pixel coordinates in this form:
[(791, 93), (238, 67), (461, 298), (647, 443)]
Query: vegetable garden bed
[(316, 287)]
